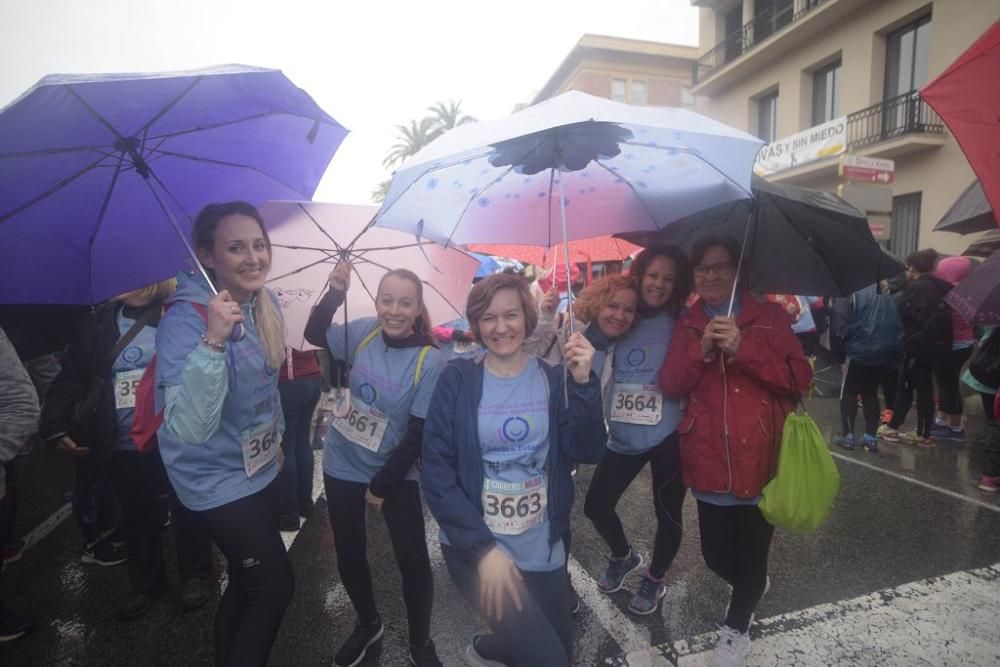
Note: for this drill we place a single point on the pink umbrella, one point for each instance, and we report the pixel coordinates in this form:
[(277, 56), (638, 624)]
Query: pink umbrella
[(309, 238), (597, 249)]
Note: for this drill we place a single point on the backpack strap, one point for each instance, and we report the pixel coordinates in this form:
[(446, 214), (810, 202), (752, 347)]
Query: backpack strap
[(420, 358)]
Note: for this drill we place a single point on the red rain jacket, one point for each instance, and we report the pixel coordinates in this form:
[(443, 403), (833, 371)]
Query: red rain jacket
[(749, 393)]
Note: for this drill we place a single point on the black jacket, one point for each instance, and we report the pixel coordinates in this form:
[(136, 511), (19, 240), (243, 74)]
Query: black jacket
[(926, 318), (86, 367)]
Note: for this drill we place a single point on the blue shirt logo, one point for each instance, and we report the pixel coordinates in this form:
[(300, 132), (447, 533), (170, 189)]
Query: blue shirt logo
[(132, 354), (636, 357), (367, 393), (516, 429)]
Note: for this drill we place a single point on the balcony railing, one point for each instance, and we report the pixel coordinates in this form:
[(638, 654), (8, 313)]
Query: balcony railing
[(891, 118), (772, 20)]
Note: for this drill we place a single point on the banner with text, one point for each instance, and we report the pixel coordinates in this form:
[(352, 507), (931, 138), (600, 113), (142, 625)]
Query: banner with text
[(816, 143)]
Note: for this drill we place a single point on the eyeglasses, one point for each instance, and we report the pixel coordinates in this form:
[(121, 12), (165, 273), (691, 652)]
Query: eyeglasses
[(721, 269)]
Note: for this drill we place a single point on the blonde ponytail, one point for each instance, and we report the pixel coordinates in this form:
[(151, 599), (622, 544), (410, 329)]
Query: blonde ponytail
[(270, 328)]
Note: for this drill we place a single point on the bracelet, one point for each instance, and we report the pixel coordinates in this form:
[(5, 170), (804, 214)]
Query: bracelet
[(211, 345)]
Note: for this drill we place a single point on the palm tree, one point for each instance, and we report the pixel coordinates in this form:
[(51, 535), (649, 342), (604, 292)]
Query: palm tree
[(413, 137), (410, 139)]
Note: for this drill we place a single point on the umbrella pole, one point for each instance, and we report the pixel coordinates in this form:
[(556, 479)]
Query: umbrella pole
[(569, 277), (239, 331), (751, 218)]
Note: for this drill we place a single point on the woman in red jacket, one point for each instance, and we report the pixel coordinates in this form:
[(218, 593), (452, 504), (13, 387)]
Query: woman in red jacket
[(740, 375)]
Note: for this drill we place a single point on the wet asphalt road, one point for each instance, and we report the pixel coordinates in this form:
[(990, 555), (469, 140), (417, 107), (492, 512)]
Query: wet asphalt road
[(883, 533)]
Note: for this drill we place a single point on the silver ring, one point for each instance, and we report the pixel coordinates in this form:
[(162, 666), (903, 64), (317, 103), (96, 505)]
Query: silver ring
[(234, 309)]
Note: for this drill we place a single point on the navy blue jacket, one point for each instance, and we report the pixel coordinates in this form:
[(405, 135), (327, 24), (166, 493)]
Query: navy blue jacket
[(452, 469)]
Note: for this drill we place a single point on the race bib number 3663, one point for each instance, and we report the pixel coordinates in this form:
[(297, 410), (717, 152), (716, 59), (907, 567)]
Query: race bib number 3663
[(637, 404), (363, 425), (126, 382), (512, 508), (260, 444)]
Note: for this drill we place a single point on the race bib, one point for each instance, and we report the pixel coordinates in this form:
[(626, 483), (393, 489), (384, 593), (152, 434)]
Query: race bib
[(637, 404), (363, 425), (260, 444), (465, 346), (126, 382), (510, 508)]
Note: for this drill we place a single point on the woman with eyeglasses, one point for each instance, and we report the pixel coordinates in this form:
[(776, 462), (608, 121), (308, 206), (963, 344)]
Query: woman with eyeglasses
[(741, 372)]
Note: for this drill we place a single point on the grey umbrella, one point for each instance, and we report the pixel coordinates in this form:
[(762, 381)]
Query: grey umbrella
[(970, 213), (985, 245)]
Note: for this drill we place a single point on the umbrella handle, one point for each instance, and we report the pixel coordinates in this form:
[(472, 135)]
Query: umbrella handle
[(751, 217)]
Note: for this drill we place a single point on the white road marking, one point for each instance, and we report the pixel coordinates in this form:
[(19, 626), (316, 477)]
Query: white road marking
[(948, 620), (911, 480), (619, 627), (44, 528), (289, 538)]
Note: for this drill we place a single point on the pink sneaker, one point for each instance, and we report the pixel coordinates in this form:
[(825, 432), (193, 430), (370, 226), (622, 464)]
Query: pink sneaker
[(989, 484)]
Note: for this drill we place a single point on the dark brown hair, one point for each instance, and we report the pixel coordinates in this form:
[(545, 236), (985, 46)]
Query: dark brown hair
[(481, 296), (684, 281), (923, 261)]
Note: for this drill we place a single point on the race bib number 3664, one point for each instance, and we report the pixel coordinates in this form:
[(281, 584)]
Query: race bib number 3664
[(512, 508), (260, 444), (363, 425), (637, 404)]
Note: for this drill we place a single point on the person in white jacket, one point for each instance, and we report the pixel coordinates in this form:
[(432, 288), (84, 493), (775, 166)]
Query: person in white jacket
[(19, 415)]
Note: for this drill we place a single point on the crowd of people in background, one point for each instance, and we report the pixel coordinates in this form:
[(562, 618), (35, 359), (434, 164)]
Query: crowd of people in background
[(670, 363)]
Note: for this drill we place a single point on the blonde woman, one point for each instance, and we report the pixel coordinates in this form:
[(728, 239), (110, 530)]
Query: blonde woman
[(220, 439)]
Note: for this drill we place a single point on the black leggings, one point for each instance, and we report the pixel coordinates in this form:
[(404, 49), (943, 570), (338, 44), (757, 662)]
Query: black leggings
[(991, 437), (864, 381), (946, 377), (613, 476), (140, 482), (735, 541), (261, 583), (404, 517), (914, 376)]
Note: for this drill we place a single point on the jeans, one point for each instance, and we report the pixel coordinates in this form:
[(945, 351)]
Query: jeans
[(540, 635), (613, 476), (261, 583), (298, 401)]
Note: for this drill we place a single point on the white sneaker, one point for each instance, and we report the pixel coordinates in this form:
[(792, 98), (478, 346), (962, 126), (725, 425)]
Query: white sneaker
[(733, 648)]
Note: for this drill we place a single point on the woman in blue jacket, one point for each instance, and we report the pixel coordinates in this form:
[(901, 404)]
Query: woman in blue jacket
[(221, 434), (370, 453), (499, 443)]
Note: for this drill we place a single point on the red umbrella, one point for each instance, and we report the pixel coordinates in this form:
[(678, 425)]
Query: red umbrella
[(598, 249), (967, 97)]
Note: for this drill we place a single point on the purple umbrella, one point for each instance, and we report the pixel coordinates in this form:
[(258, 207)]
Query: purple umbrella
[(100, 175), (977, 298)]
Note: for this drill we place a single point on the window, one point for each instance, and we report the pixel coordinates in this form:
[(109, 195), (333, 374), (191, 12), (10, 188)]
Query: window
[(905, 224), (733, 26), (770, 16), (907, 54), (826, 93), (767, 117), (638, 93), (618, 87)]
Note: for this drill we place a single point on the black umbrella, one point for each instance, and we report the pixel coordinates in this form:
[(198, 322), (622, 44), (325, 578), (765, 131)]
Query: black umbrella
[(985, 245), (795, 241), (970, 213)]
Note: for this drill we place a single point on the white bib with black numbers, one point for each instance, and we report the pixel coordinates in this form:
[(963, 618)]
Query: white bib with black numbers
[(637, 404), (126, 383), (260, 444), (363, 425), (512, 508)]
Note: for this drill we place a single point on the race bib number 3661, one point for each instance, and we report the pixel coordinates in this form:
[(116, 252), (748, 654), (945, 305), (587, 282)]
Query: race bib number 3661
[(637, 404), (260, 444), (512, 508), (363, 425)]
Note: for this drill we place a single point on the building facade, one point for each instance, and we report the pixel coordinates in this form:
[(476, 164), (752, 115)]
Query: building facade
[(822, 78), (626, 70)]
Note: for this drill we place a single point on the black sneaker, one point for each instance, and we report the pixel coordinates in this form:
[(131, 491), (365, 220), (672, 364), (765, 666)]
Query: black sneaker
[(574, 600), (424, 656), (12, 626), (194, 593), (135, 605), (365, 638), (103, 553)]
